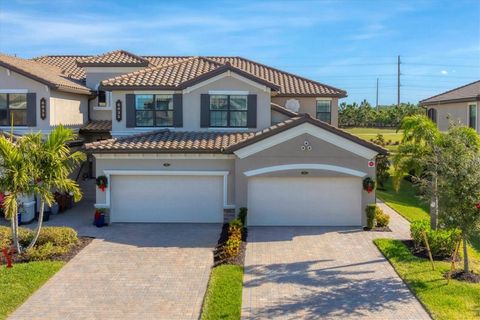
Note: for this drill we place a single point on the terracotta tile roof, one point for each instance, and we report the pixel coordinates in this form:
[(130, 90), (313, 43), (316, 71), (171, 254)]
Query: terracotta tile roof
[(167, 141), (283, 110), (290, 84), (296, 121), (114, 58), (97, 126), (467, 92), (68, 65), (46, 74), (177, 75)]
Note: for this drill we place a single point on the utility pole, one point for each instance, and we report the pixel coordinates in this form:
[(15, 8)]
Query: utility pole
[(398, 81), (376, 100)]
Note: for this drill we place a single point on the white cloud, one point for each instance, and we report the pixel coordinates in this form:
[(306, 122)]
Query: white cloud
[(444, 72)]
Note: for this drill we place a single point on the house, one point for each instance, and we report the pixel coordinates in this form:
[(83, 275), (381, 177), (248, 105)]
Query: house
[(194, 137), (459, 104)]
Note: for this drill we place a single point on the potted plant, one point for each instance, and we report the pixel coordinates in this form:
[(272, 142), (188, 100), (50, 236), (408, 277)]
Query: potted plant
[(99, 219)]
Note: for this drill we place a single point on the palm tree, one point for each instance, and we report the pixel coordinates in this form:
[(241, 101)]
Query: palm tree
[(418, 151), (44, 166)]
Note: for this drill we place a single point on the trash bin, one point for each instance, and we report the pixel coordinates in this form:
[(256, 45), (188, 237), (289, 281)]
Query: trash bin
[(28, 212)]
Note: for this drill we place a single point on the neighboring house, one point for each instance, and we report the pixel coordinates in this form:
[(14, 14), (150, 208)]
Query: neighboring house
[(459, 104), (194, 136)]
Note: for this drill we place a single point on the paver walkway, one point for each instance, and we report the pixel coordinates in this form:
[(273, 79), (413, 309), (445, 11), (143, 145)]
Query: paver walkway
[(320, 272)]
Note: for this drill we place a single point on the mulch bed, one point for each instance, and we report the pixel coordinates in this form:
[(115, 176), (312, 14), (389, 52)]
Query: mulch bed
[(82, 243), (218, 255), (378, 229), (465, 276), (424, 253)]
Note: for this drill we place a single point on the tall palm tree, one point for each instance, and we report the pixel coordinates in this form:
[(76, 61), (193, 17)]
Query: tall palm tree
[(44, 166)]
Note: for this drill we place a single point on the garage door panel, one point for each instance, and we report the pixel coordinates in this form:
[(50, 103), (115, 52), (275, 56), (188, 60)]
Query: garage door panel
[(304, 201), (167, 199)]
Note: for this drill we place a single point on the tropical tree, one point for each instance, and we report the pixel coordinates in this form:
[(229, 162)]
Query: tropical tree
[(459, 183), (418, 154), (44, 166)]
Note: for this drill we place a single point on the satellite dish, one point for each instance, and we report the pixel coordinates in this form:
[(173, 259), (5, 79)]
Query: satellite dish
[(292, 105)]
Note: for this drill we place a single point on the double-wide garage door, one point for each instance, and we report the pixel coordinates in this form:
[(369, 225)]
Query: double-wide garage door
[(302, 201), (143, 198)]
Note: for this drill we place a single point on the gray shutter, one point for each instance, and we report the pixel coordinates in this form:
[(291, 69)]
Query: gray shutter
[(177, 110), (205, 110), (252, 111), (130, 110), (31, 109)]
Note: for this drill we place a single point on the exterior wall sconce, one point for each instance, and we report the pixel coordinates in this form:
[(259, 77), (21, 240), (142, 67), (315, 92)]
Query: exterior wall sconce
[(43, 108), (118, 110)]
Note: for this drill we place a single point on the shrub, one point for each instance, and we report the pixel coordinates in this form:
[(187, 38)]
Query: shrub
[(24, 236), (58, 236), (370, 210), (45, 252), (382, 219), (232, 247), (442, 242), (242, 215), (383, 167)]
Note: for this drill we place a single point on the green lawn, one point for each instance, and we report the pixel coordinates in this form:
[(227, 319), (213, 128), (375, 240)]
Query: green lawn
[(371, 133), (223, 299), (458, 300), (19, 282), (407, 204), (405, 201)]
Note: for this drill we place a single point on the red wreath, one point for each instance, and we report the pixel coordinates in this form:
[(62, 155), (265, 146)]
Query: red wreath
[(102, 182), (368, 184)]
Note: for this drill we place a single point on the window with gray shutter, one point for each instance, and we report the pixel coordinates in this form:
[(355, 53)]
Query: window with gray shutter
[(178, 110), (205, 110), (252, 111), (130, 110)]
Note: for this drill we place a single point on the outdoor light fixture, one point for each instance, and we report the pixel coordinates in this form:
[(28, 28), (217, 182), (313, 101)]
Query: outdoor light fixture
[(166, 164), (304, 173)]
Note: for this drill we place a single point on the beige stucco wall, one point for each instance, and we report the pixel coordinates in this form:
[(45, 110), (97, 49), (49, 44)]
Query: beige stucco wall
[(289, 152), (278, 117), (175, 165), (309, 105), (191, 106), (18, 81), (67, 109), (454, 112)]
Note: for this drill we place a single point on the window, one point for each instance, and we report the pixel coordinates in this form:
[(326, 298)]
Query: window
[(228, 111), (154, 110), (432, 114), (13, 108), (324, 110), (102, 99), (472, 116)]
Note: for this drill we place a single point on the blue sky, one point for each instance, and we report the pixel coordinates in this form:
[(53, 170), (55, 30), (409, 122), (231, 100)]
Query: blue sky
[(347, 44)]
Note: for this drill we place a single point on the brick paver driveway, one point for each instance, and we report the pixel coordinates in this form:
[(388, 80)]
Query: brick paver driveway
[(314, 272), (135, 271)]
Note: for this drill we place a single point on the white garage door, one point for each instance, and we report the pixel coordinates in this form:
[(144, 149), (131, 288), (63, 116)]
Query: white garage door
[(167, 199), (275, 201)]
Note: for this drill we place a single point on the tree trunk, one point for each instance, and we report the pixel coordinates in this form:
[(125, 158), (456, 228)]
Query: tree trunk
[(434, 207), (14, 223), (39, 225), (466, 266)]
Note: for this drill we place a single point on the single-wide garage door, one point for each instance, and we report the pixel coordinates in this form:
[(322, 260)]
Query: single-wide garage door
[(301, 201), (142, 198)]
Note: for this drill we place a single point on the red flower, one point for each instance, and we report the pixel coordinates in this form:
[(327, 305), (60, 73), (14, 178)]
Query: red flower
[(478, 205)]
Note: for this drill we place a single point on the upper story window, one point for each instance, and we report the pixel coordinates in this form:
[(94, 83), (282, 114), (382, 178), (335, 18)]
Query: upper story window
[(472, 116), (154, 110), (102, 98), (228, 111), (13, 108), (324, 110)]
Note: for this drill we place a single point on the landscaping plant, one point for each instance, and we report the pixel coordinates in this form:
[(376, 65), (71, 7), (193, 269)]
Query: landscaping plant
[(442, 242), (382, 219), (39, 166), (371, 211)]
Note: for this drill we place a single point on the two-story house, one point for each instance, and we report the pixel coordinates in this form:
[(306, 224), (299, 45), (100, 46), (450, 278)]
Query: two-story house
[(194, 136)]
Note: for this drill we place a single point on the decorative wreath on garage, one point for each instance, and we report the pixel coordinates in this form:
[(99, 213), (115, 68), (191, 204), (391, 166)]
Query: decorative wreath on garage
[(102, 182), (368, 184)]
